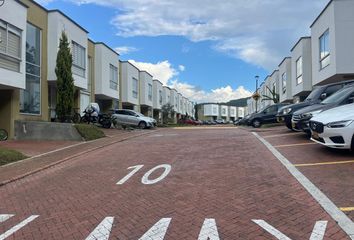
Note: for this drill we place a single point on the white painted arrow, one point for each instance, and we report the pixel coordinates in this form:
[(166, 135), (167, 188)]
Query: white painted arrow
[(158, 231), (317, 233), (209, 230), (17, 227), (103, 230)]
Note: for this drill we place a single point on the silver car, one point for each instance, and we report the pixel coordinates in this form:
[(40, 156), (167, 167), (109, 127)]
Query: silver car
[(127, 117)]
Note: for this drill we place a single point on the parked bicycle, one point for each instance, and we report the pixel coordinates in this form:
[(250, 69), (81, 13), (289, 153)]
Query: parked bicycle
[(3, 135)]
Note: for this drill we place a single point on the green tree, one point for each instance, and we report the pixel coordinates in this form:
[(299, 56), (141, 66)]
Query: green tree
[(167, 113), (65, 81), (273, 96)]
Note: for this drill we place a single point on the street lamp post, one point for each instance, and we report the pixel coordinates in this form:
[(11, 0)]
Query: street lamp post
[(256, 95)]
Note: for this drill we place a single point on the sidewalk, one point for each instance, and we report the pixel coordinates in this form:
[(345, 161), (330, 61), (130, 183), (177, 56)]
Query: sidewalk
[(45, 154)]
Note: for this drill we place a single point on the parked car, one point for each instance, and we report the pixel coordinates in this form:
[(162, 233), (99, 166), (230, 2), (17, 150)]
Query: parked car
[(268, 115), (132, 118), (237, 121), (220, 121), (317, 95), (188, 122), (334, 128), (245, 120), (301, 118)]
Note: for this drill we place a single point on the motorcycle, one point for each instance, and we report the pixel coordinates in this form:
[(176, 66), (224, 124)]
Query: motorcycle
[(92, 115)]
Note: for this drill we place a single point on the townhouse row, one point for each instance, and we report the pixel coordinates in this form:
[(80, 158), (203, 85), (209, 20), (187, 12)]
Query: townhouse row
[(326, 56), (214, 111), (29, 40)]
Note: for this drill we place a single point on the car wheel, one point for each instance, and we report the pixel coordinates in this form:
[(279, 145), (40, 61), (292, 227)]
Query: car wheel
[(256, 123), (142, 125), (288, 125), (352, 145), (308, 133)]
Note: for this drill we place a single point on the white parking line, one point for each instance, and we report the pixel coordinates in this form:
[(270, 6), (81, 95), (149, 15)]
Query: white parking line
[(209, 230), (103, 230), (4, 217), (271, 230), (17, 227), (158, 231), (343, 220)]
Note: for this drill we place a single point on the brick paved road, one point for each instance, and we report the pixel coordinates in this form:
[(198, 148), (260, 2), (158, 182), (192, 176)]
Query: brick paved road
[(225, 175)]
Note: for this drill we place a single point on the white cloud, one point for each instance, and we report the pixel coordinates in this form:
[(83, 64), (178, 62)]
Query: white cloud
[(123, 50), (162, 71), (181, 68), (167, 74), (260, 32)]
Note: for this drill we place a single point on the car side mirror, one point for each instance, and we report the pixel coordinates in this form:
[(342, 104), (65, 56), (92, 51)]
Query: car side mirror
[(323, 96)]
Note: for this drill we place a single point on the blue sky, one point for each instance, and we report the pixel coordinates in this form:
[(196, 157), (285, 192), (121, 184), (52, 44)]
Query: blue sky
[(207, 50)]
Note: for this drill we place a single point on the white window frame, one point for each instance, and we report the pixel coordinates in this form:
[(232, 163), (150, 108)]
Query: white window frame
[(113, 77), (150, 92), (284, 78), (135, 88), (299, 78), (76, 65), (4, 54), (324, 56)]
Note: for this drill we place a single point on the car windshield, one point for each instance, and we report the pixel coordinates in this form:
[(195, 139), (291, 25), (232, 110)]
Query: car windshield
[(338, 96), (315, 92)]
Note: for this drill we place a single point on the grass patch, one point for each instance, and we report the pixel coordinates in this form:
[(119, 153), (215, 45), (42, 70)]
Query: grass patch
[(89, 132), (9, 156)]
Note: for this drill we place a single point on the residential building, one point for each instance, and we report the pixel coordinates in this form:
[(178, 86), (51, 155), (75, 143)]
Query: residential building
[(262, 91), (224, 112), (129, 86), (179, 106), (107, 78), (301, 65), (241, 112), (174, 102), (285, 86), (157, 99), (208, 111), (13, 80), (146, 93), (58, 23), (232, 113), (332, 39), (166, 95)]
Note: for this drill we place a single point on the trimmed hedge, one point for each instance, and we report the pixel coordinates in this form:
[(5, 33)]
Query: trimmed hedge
[(9, 156), (89, 132)]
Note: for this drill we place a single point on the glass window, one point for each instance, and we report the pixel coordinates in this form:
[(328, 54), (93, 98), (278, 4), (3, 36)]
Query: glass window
[(324, 50), (30, 98), (79, 59), (283, 80), (150, 92), (10, 46), (135, 88), (113, 77), (160, 97), (299, 70)]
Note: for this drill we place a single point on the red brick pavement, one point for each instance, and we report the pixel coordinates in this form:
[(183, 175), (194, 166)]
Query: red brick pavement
[(227, 175)]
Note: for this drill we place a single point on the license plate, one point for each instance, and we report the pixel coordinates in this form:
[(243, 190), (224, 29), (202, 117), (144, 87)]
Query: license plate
[(315, 135)]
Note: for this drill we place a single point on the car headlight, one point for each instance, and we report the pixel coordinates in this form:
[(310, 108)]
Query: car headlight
[(287, 110), (310, 114), (339, 124)]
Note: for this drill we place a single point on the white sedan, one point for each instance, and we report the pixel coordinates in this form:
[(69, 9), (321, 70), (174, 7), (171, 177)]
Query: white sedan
[(334, 128)]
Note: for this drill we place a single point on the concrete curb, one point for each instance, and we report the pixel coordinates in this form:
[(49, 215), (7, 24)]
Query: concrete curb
[(3, 183)]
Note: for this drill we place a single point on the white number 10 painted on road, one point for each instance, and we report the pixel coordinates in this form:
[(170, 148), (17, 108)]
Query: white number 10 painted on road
[(145, 179)]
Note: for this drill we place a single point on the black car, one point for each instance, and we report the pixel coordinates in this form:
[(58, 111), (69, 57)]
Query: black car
[(301, 118), (268, 115), (318, 94)]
